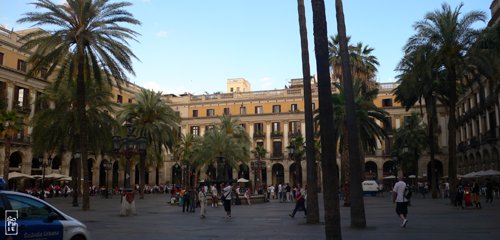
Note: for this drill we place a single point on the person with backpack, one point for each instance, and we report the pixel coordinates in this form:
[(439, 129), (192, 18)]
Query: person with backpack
[(401, 200)]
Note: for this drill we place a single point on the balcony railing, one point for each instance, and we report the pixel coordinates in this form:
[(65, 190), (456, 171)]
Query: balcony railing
[(259, 134), (276, 134)]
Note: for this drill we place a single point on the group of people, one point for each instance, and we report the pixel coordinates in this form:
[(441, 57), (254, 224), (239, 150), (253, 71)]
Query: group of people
[(468, 195), (52, 190)]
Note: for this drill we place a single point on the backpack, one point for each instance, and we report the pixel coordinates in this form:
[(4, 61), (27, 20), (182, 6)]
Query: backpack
[(407, 193)]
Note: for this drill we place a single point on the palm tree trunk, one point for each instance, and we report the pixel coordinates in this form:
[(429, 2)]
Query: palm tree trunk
[(431, 119), (6, 160), (80, 103), (142, 174), (345, 165), (358, 219), (312, 188), (452, 136), (328, 143)]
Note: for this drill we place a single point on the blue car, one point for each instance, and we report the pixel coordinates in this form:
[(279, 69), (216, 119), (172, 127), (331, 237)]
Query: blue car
[(27, 217)]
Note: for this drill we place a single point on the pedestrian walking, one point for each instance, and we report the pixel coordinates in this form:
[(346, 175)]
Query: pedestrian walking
[(299, 202), (192, 200), (226, 197), (475, 194), (215, 199), (401, 201), (202, 196), (489, 191)]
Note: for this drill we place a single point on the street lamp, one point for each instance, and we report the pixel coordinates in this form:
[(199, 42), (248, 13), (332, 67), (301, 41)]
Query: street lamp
[(128, 146), (44, 165), (107, 166)]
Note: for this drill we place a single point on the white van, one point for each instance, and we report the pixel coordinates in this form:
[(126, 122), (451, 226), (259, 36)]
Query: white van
[(370, 187)]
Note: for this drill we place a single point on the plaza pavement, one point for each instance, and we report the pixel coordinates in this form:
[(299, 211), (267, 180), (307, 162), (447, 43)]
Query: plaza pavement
[(156, 219)]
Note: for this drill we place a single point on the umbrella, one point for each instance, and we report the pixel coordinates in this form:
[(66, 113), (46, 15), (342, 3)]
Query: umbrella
[(489, 172), (242, 180), (55, 176), (470, 175), (390, 177), (13, 175)]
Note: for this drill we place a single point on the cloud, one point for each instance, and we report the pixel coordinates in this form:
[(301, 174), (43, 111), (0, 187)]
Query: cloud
[(161, 33)]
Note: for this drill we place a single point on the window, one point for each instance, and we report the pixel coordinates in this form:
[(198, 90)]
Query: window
[(210, 112), (294, 127), (276, 127), (387, 102), (388, 126), (21, 96), (232, 90), (1, 58), (243, 110), (43, 73), (313, 106), (21, 65), (130, 100), (259, 110), (226, 111), (258, 130), (294, 108), (119, 99), (195, 113), (277, 151), (29, 209), (195, 130), (276, 108)]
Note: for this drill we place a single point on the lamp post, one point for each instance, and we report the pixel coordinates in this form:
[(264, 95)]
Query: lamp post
[(107, 166), (44, 165), (128, 146)]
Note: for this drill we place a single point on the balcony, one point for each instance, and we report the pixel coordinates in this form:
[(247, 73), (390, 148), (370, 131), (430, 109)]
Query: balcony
[(276, 134), (259, 135), (277, 156), (23, 109)]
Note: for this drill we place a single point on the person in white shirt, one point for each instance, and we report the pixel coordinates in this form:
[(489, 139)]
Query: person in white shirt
[(202, 196), (226, 197), (215, 199), (400, 200)]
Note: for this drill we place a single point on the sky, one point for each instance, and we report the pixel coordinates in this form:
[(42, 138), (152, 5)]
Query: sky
[(196, 45)]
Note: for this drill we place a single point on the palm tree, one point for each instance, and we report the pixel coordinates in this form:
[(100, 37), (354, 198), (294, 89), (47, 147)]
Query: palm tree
[(259, 153), (312, 188), (297, 144), (366, 113), (227, 142), (10, 125), (409, 142), (154, 120), (421, 81), (364, 64), (86, 42), (358, 218), (328, 143), (451, 36), (185, 150), (55, 129)]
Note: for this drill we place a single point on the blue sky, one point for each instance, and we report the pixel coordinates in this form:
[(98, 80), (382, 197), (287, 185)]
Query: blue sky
[(196, 45)]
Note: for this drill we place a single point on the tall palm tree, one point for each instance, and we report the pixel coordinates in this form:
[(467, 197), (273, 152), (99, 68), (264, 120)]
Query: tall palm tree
[(312, 188), (409, 142), (358, 218), (421, 82), (184, 151), (10, 125), (55, 129), (328, 143), (86, 42), (154, 120), (451, 35)]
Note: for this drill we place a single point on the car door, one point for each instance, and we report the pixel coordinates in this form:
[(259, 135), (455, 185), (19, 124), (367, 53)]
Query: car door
[(33, 221)]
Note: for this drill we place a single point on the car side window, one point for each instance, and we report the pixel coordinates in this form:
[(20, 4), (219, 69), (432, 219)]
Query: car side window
[(29, 209)]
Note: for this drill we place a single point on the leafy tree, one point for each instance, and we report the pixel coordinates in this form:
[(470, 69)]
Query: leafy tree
[(87, 42)]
